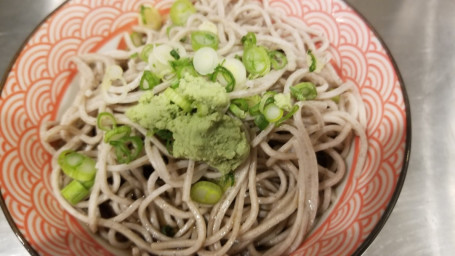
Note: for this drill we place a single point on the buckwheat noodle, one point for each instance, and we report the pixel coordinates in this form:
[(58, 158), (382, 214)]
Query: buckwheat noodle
[(280, 191)]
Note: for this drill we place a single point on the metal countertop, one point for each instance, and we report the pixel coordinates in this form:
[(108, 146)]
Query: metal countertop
[(421, 37)]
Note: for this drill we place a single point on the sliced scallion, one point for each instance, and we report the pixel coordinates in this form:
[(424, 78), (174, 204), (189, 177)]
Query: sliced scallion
[(201, 39), (205, 60), (249, 40), (136, 38), (313, 61), (150, 17), (287, 116), (182, 67), (267, 99), (177, 99), (256, 61), (278, 60), (148, 81), (237, 111), (117, 133), (77, 166), (272, 113), (261, 122), (75, 192), (180, 11), (127, 149), (175, 54), (206, 192), (106, 121), (144, 55), (226, 75), (304, 91)]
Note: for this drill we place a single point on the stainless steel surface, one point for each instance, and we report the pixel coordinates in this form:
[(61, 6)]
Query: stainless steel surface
[(421, 35)]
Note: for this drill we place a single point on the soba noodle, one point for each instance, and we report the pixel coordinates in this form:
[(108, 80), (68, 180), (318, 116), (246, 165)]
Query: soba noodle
[(280, 191)]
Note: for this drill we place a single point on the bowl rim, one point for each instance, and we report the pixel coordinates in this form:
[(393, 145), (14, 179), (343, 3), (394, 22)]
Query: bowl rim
[(387, 211)]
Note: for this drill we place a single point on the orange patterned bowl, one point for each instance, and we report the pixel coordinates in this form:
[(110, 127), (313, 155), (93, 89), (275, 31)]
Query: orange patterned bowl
[(34, 87)]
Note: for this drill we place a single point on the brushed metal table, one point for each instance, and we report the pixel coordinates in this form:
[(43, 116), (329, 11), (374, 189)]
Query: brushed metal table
[(421, 36)]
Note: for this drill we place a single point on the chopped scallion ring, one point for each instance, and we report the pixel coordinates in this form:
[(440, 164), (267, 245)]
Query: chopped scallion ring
[(136, 38), (144, 55), (205, 60), (182, 66), (177, 99), (148, 81), (150, 17), (201, 39), (249, 40), (267, 99), (74, 192), (77, 166), (117, 133), (287, 116), (304, 91), (226, 75), (256, 61), (106, 121), (206, 192), (237, 111), (261, 121), (122, 148), (278, 60), (175, 54), (180, 11), (272, 113), (313, 65)]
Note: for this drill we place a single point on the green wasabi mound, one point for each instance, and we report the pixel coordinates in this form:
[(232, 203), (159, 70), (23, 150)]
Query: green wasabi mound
[(206, 134)]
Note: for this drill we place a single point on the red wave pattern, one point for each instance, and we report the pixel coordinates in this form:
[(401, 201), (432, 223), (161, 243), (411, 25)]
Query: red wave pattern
[(35, 85)]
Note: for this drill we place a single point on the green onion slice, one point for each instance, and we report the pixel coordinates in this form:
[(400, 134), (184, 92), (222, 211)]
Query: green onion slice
[(256, 61), (272, 113), (136, 38), (226, 75), (106, 121), (117, 133), (180, 11), (237, 111), (249, 40), (278, 59), (313, 61), (201, 39), (77, 166), (287, 116), (144, 55), (177, 99), (261, 121), (267, 99), (134, 55), (175, 54), (206, 192), (183, 66), (75, 192), (148, 81), (127, 149), (304, 91), (150, 17)]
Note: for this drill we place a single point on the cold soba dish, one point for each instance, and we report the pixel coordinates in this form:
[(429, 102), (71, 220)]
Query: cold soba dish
[(221, 128)]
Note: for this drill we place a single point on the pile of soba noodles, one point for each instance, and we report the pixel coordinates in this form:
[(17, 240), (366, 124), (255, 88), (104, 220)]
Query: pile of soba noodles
[(287, 182)]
